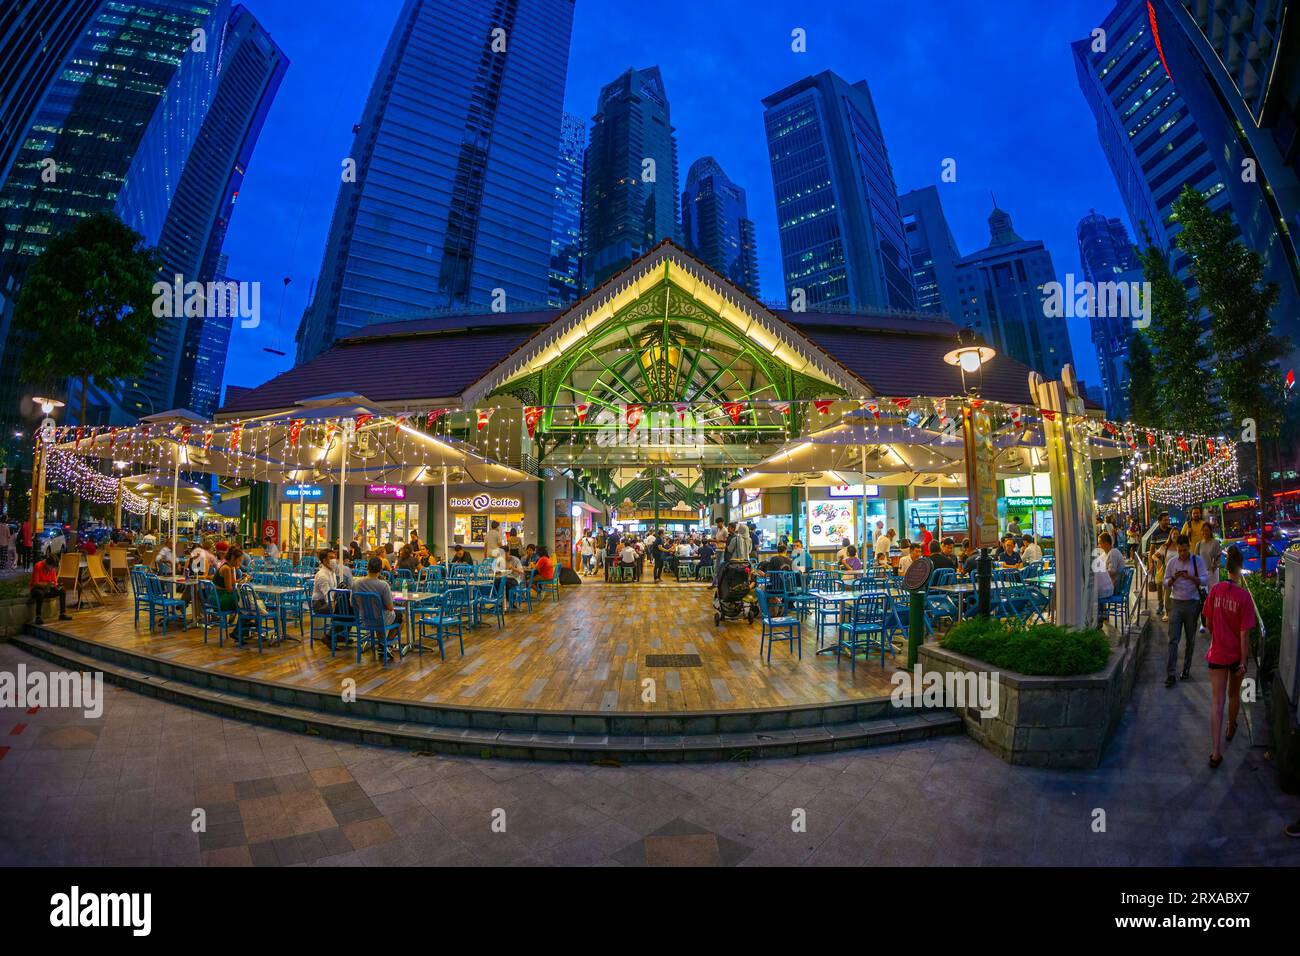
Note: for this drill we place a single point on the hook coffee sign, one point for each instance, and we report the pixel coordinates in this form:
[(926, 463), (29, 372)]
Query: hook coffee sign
[(487, 503)]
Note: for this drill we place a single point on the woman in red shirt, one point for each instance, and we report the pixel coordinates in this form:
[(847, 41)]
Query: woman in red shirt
[(545, 567), (1230, 611)]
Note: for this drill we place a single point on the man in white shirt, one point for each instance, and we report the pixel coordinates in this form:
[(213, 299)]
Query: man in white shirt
[(272, 550), (1112, 566), (884, 542), (913, 553), (325, 581), (1030, 552), (492, 539), (1185, 576)]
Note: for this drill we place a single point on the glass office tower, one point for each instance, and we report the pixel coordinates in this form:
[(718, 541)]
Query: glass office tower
[(716, 226), (1106, 254), (933, 250), (630, 200), (454, 196), (566, 231), (842, 238)]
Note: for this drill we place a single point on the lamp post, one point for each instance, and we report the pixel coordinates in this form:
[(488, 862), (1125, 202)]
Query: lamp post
[(36, 506), (970, 356)]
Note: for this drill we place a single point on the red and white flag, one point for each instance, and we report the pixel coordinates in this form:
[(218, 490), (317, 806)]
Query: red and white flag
[(902, 403), (680, 409), (1182, 444), (362, 419), (1016, 414), (532, 415), (1048, 414), (823, 405), (295, 431), (733, 410), (633, 417), (874, 409), (433, 416), (782, 407), (581, 410), (484, 416)]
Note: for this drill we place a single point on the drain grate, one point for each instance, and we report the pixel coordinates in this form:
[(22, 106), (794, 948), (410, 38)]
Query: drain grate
[(673, 660)]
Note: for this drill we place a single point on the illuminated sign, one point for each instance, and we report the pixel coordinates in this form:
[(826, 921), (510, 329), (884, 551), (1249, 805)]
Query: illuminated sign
[(1036, 502), (395, 492), (486, 503), (304, 492), (853, 491)]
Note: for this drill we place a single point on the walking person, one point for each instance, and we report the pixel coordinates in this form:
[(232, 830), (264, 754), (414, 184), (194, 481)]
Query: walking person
[(1186, 580), (1230, 609), (1157, 549)]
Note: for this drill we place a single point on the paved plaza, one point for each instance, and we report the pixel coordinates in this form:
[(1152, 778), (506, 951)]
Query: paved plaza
[(123, 789)]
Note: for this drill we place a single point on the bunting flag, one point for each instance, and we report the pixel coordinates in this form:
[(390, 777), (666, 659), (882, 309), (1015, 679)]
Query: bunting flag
[(977, 403), (1015, 416), (733, 410), (236, 433), (484, 416), (874, 409), (77, 443), (433, 416), (295, 430), (1182, 444), (532, 415), (782, 407), (398, 422), (943, 417), (331, 427), (362, 419), (680, 409), (1049, 414), (1111, 428), (902, 403), (823, 405), (1151, 440), (207, 439), (581, 409), (186, 432), (1209, 445), (632, 416), (1290, 378), (112, 438)]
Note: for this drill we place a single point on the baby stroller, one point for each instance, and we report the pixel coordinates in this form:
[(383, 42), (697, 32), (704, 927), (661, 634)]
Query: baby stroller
[(735, 597)]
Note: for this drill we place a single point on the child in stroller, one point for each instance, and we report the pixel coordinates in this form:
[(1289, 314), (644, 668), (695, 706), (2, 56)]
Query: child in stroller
[(735, 597)]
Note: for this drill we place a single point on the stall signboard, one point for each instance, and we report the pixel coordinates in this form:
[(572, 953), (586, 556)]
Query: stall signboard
[(386, 492), (562, 553), (981, 477), (486, 503), (478, 528), (735, 499), (304, 492), (270, 532), (1038, 486), (1035, 502), (829, 523), (853, 491), (752, 505)]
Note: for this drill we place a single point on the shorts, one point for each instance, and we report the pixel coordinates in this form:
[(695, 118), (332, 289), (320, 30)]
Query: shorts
[(1225, 667)]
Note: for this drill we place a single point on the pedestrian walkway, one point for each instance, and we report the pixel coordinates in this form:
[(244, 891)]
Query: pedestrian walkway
[(123, 790)]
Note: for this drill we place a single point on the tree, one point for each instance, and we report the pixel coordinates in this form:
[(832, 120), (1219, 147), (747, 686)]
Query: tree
[(1143, 403), (1240, 303), (1184, 386), (86, 308)]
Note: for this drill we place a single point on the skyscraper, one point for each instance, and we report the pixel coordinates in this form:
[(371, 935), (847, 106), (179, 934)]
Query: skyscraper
[(1001, 289), (94, 145), (842, 238), (933, 250), (566, 231), (36, 36), (191, 353), (630, 199), (1106, 254), (448, 198), (716, 226)]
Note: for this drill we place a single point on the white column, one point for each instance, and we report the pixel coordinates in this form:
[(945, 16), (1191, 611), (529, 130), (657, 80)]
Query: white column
[(343, 493), (176, 493), (446, 551)]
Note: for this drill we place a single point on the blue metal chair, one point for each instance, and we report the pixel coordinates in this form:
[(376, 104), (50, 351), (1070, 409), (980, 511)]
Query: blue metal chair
[(163, 604), (546, 586), (864, 629), (442, 618), (140, 591), (212, 614), (251, 615), (373, 631), (338, 619), (494, 601), (786, 628), (1115, 607)]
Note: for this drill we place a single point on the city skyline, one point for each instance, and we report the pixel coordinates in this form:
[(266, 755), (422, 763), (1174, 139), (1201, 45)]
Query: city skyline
[(1046, 175)]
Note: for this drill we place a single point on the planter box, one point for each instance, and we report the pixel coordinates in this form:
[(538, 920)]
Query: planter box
[(14, 615), (1050, 721)]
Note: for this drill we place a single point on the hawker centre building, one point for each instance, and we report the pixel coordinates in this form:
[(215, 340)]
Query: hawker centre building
[(637, 406)]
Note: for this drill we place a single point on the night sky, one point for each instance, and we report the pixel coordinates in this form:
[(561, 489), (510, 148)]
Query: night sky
[(991, 85)]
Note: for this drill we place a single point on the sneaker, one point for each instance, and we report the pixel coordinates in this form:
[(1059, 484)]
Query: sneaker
[(1187, 673), (1169, 681), (1164, 616)]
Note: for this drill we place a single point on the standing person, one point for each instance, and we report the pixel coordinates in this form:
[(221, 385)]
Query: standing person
[(1193, 526), (884, 541), (926, 538), (613, 552), (1230, 610), (45, 585), (1013, 527), (1186, 580), (1156, 553), (587, 549), (25, 543), (6, 542), (720, 537), (493, 539)]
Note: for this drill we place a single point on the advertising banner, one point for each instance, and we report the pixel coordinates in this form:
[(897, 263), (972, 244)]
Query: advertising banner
[(981, 477)]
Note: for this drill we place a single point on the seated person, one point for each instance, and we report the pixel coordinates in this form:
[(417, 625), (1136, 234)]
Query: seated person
[(406, 560), (372, 583), (913, 552), (544, 568), (461, 556), (1030, 552), (781, 561), (530, 555), (507, 566), (630, 560), (851, 561), (943, 557), (165, 561), (45, 585), (227, 578), (1009, 557)]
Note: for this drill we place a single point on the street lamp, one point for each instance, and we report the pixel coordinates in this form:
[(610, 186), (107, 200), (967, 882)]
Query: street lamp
[(970, 356), (36, 506)]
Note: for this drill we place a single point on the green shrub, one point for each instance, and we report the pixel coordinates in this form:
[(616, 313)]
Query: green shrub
[(1267, 593), (1039, 649), (15, 587)]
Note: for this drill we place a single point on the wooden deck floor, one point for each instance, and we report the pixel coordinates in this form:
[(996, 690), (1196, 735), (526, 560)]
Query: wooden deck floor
[(585, 655)]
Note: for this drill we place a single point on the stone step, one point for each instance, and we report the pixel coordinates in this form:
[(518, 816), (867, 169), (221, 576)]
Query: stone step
[(905, 725)]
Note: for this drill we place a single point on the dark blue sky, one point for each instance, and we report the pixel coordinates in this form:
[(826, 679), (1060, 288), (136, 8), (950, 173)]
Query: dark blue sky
[(991, 85)]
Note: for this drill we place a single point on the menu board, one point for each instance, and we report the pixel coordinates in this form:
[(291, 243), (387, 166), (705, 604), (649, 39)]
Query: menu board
[(829, 523), (478, 528), (981, 478)]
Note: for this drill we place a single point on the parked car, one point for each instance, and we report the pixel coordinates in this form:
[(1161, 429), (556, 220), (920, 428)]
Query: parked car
[(50, 540), (1249, 549)]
